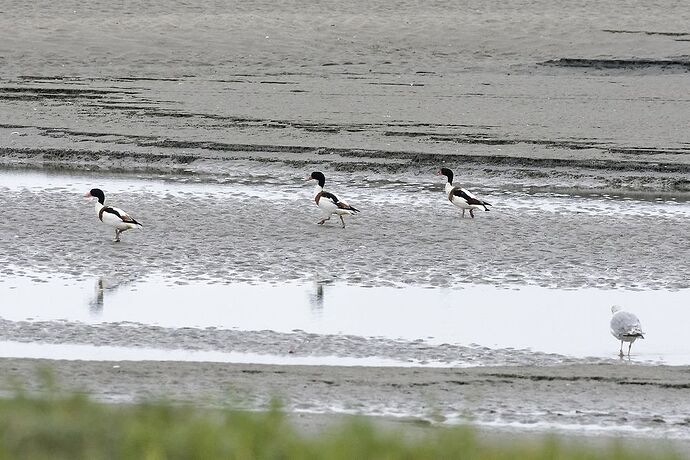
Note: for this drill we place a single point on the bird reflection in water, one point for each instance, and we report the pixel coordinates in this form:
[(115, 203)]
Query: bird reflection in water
[(104, 284), (316, 299), (96, 304)]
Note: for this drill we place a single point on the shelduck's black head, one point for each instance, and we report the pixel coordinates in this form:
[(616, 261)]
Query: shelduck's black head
[(97, 193), (319, 177), (446, 172)]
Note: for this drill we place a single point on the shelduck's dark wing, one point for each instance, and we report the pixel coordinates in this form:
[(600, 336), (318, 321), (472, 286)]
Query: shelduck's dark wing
[(124, 217), (467, 196), (343, 205), (330, 196), (336, 201)]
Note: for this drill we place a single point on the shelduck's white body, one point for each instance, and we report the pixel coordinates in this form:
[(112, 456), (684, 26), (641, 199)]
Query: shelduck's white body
[(461, 203), (328, 202), (460, 197)]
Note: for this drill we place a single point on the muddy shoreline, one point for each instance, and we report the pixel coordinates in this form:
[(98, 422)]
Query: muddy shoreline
[(618, 399)]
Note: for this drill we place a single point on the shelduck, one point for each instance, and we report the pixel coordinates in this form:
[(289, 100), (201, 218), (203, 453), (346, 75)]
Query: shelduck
[(460, 197), (328, 202), (112, 216)]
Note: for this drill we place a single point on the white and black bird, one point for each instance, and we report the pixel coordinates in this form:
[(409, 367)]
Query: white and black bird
[(460, 197), (328, 202), (110, 215), (625, 327)]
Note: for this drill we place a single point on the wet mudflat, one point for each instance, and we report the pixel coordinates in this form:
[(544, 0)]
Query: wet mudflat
[(203, 123), (408, 284), (262, 228), (592, 400)]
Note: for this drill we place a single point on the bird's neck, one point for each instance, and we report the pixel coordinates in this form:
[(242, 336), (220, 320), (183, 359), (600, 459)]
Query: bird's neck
[(98, 206), (318, 189), (449, 187)]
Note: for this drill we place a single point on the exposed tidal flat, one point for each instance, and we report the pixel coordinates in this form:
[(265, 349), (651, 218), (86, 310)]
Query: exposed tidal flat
[(231, 272), (71, 426), (203, 123)]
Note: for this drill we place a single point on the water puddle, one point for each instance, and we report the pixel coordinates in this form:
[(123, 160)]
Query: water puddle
[(572, 323), (109, 353)]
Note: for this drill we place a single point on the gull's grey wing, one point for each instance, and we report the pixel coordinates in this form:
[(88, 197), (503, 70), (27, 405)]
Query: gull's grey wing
[(624, 323)]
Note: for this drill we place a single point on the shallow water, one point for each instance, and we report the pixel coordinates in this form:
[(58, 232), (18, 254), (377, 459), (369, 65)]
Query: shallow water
[(110, 353), (570, 323)]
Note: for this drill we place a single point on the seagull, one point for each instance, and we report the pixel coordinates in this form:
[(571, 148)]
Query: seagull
[(460, 197), (625, 327), (110, 215), (328, 202)]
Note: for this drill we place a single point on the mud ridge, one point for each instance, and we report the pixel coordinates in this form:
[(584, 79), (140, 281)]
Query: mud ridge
[(419, 157), (298, 343), (92, 157)]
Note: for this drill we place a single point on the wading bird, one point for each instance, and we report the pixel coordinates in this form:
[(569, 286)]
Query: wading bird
[(460, 197), (625, 327), (328, 202), (110, 215)]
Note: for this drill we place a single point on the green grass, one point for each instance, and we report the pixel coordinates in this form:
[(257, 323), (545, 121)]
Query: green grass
[(74, 427)]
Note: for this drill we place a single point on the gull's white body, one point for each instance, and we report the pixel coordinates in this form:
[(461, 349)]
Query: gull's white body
[(626, 327)]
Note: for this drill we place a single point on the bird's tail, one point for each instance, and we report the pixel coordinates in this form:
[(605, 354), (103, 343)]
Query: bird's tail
[(635, 333)]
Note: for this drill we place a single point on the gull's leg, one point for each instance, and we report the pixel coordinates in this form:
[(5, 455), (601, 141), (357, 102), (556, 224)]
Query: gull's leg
[(621, 353), (322, 221), (342, 220), (463, 213), (472, 213), (629, 347), (117, 235)]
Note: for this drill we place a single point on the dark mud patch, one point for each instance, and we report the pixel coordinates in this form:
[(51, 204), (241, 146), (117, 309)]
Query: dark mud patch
[(276, 82), (621, 65), (395, 84), (76, 79), (647, 32), (29, 94), (618, 380)]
